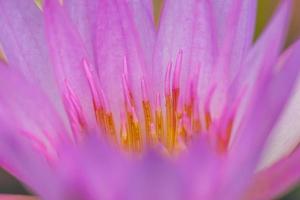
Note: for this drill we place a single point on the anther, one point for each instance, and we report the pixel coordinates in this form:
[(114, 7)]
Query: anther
[(147, 112), (208, 118), (159, 122)]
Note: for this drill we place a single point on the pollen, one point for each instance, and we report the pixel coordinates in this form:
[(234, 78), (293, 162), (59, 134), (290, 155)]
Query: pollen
[(172, 120)]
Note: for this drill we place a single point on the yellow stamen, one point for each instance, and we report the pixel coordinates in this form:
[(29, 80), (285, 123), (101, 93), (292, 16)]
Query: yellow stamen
[(3, 57), (170, 123), (208, 120), (100, 116), (134, 133), (124, 137), (173, 126), (148, 121), (110, 125), (159, 124)]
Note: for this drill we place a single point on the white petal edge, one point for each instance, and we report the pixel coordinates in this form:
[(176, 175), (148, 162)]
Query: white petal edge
[(286, 134)]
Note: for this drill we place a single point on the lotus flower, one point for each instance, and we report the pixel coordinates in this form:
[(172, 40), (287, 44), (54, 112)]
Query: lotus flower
[(96, 103)]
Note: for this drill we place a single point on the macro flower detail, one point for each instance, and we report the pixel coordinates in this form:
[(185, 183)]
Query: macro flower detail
[(96, 102)]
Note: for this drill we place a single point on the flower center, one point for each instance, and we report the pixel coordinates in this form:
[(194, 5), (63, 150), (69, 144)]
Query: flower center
[(171, 121)]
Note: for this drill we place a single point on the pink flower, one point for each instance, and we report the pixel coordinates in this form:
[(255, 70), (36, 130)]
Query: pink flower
[(95, 103)]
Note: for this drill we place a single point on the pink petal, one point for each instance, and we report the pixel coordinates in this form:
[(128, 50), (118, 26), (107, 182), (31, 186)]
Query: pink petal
[(67, 52), (91, 171), (200, 175), (142, 15), (16, 197), (22, 36), (235, 25), (285, 135), (274, 181), (267, 104), (124, 31), (83, 15), (148, 4), (262, 56), (186, 26), (154, 177), (96, 171), (29, 165), (36, 121), (267, 48)]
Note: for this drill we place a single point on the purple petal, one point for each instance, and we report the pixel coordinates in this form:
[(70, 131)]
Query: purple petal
[(83, 15), (154, 177), (67, 52), (142, 15), (23, 39), (91, 171), (29, 165), (96, 171), (200, 174), (35, 120), (274, 181), (271, 95), (124, 30), (186, 26), (267, 48), (285, 135), (150, 9), (235, 24), (262, 56)]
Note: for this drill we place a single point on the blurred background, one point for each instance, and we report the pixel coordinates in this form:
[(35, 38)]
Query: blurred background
[(9, 184)]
